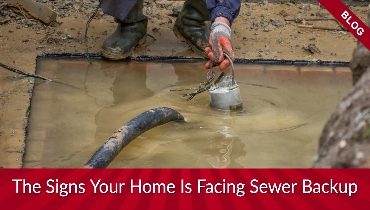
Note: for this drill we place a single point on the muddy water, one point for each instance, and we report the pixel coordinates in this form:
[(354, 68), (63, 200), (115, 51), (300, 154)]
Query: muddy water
[(285, 110)]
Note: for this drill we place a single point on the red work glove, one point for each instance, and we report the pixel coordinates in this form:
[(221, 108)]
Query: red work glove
[(220, 42)]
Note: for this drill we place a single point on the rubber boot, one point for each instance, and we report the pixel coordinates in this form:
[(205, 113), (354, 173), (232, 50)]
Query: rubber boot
[(190, 26), (130, 32)]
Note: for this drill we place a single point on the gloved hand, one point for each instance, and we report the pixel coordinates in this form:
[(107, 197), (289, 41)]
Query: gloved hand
[(220, 42)]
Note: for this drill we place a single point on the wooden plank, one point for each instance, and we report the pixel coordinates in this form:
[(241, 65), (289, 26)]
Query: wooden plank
[(35, 10)]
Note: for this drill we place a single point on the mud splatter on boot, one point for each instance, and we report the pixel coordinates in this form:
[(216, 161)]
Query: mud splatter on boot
[(190, 26), (130, 32)]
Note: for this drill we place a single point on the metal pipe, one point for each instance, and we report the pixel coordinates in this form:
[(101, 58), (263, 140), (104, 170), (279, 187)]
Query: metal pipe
[(123, 136), (310, 19), (321, 28)]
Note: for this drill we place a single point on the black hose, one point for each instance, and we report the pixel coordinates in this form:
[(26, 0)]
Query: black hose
[(123, 136)]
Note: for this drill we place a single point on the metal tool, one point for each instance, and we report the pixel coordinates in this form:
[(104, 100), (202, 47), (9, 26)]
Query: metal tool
[(224, 93), (203, 86)]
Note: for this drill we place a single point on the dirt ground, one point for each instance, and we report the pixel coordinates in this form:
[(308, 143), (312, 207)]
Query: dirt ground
[(259, 32)]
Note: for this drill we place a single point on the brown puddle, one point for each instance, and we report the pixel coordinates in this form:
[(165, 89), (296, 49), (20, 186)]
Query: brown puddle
[(285, 111)]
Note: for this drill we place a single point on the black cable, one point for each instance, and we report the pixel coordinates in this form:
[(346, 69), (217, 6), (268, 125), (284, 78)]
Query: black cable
[(87, 27), (31, 75), (237, 60), (24, 73)]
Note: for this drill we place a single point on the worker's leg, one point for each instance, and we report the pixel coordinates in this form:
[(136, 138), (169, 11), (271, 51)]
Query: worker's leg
[(130, 32), (190, 25)]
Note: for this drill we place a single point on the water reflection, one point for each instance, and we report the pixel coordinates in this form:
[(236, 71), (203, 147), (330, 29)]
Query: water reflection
[(131, 83), (223, 153), (285, 112), (138, 82)]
